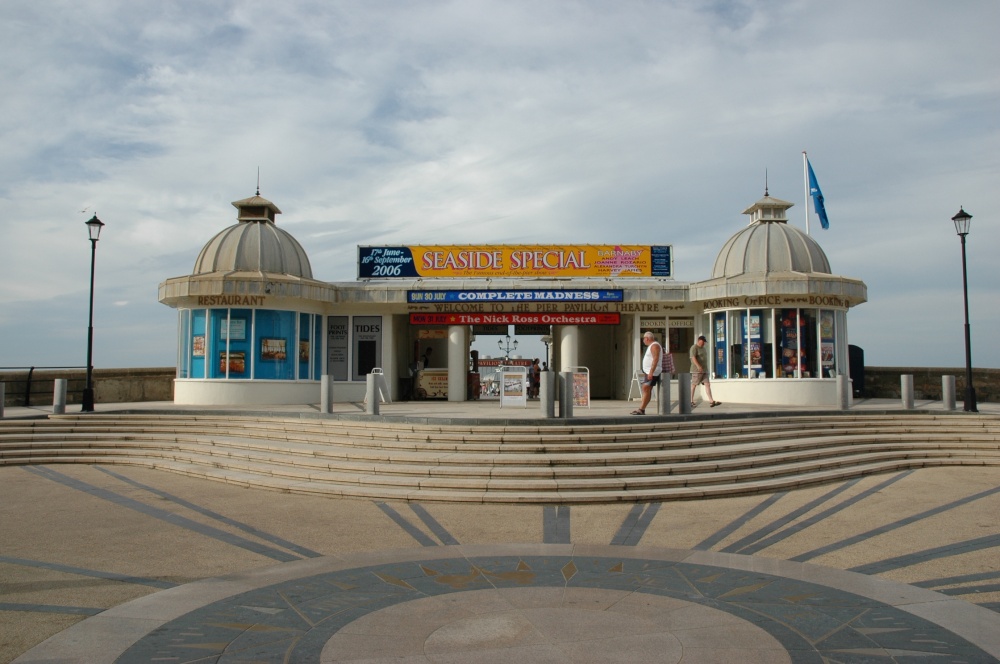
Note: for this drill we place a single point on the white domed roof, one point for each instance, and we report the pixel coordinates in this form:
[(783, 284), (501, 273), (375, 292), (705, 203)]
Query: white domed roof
[(254, 244), (769, 244)]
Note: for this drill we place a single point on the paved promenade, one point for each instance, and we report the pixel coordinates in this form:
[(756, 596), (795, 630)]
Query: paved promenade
[(102, 563)]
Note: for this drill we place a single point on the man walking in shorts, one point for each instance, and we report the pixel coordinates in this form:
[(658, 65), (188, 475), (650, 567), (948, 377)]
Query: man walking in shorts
[(699, 371)]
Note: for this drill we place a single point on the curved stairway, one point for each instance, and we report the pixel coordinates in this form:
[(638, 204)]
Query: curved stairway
[(502, 463)]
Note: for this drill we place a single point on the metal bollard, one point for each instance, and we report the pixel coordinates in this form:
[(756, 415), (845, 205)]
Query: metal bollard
[(566, 394), (948, 392), (663, 395), (906, 388), (547, 393), (59, 396), (371, 394), (843, 391), (684, 393), (326, 394)]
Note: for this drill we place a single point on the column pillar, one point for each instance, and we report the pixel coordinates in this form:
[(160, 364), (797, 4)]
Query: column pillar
[(568, 337), (458, 362)]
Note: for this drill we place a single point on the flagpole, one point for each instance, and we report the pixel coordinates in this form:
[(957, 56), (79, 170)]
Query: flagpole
[(805, 182)]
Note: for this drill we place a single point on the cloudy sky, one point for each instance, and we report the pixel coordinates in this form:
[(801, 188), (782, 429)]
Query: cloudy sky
[(473, 121)]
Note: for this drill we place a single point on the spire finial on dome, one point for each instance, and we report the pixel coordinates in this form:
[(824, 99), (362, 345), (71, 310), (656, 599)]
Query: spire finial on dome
[(765, 183), (258, 180)]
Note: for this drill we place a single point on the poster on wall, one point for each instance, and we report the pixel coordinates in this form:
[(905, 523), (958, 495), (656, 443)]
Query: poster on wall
[(235, 329), (826, 347), (791, 351), (826, 351), (337, 344), (367, 345), (198, 345), (753, 341), (234, 361), (273, 349)]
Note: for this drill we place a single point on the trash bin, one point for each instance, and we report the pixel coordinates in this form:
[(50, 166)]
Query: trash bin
[(472, 393)]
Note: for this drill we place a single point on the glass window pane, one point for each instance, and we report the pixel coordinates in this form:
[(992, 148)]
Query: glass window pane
[(808, 354), (198, 343), (736, 341), (789, 336), (304, 346), (317, 350), (827, 343), (228, 356), (274, 343), (183, 343), (719, 344)]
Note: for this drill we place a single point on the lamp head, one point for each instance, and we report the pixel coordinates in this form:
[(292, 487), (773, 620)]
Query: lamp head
[(94, 226), (962, 222)]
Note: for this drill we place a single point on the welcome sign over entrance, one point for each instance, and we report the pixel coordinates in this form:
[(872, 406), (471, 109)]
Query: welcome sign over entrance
[(525, 260)]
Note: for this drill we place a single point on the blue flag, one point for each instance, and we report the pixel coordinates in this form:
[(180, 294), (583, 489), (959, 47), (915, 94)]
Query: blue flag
[(817, 196)]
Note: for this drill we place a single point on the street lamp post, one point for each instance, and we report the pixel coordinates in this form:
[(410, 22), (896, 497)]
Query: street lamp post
[(963, 220), (94, 226), (506, 348)]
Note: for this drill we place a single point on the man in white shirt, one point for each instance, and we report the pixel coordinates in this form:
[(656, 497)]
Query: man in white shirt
[(651, 367)]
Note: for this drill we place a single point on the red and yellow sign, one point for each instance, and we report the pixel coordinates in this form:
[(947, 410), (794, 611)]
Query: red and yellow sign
[(516, 319)]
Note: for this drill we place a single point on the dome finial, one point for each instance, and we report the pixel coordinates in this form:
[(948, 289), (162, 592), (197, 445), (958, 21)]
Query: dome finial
[(258, 180), (765, 183)]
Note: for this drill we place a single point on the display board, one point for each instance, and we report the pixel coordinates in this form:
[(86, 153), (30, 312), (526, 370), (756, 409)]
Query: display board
[(513, 387), (432, 384), (581, 386), (337, 345)]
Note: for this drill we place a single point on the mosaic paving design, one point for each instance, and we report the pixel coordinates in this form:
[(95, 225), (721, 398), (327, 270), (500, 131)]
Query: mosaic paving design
[(292, 621)]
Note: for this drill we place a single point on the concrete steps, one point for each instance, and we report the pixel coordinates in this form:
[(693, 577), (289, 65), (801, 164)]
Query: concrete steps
[(562, 463)]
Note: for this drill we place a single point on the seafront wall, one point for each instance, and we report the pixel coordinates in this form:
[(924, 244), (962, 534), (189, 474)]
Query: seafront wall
[(156, 384), (110, 385), (884, 383)]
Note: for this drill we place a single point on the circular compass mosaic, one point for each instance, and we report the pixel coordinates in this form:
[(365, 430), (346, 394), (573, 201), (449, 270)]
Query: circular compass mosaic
[(535, 608)]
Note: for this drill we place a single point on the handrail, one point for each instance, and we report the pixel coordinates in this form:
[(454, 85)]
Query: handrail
[(31, 371), (38, 367)]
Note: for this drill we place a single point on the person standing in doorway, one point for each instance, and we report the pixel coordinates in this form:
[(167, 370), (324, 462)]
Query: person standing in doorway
[(699, 371), (427, 357), (651, 368), (535, 378)]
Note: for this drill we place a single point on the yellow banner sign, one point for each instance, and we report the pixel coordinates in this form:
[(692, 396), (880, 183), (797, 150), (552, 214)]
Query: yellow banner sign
[(530, 260)]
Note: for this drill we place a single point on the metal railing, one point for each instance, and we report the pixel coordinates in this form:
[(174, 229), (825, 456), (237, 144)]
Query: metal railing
[(31, 371)]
